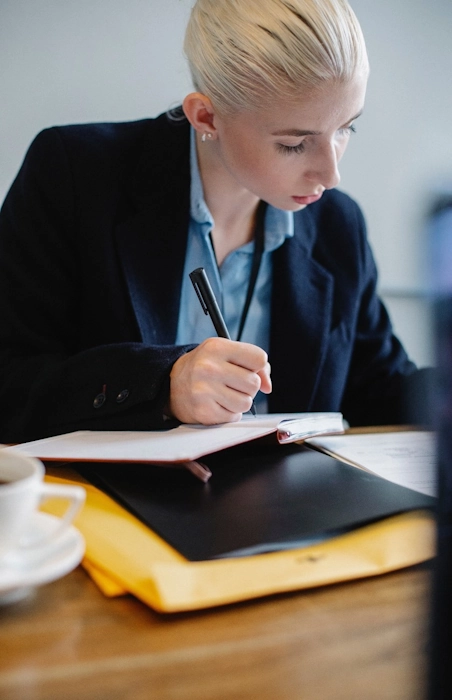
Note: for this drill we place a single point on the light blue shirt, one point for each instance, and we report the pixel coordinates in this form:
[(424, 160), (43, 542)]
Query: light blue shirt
[(230, 281)]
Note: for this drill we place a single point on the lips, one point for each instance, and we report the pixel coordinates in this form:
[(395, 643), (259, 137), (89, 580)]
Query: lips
[(308, 199)]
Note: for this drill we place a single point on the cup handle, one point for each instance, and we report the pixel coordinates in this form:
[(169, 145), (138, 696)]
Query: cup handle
[(74, 494)]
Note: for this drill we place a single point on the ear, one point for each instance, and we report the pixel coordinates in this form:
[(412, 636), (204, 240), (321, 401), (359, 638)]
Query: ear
[(200, 113)]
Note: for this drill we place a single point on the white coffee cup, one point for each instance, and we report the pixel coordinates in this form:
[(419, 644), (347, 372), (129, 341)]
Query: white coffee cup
[(22, 489)]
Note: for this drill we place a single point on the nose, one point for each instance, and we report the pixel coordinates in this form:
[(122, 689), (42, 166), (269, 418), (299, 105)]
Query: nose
[(323, 168)]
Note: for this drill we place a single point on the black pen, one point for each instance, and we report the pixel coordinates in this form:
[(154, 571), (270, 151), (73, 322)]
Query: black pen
[(210, 307)]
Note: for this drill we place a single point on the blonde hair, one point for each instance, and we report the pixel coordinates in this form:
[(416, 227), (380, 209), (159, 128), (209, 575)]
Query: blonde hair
[(243, 53)]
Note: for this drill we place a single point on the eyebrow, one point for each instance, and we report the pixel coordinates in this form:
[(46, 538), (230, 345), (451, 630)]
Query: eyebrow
[(307, 132)]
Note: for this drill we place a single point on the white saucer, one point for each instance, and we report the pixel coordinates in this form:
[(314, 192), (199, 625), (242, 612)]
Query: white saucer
[(23, 569)]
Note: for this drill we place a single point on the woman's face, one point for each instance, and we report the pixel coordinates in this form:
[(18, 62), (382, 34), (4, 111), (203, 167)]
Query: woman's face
[(288, 153)]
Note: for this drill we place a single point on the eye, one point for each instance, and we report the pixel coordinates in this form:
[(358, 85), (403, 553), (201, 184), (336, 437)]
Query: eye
[(346, 130), (283, 148)]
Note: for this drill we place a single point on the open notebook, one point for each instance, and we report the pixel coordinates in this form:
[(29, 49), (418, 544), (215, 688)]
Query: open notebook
[(182, 445)]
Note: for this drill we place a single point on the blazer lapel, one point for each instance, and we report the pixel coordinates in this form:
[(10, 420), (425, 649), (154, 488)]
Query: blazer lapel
[(300, 321), (152, 241)]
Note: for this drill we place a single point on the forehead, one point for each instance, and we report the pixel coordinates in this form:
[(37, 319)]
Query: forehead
[(323, 108)]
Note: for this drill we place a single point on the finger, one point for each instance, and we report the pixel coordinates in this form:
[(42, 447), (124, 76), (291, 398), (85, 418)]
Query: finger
[(266, 382), (241, 379), (235, 401), (246, 355), (215, 414)]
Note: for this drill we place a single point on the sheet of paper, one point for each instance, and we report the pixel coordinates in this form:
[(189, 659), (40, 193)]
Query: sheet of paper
[(181, 444), (407, 458)]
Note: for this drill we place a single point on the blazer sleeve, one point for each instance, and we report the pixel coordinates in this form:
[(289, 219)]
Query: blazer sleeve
[(383, 386), (48, 383)]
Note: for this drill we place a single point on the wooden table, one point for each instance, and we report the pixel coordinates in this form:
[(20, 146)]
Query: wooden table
[(364, 640)]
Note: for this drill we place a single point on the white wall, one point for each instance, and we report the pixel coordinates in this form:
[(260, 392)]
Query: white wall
[(65, 61)]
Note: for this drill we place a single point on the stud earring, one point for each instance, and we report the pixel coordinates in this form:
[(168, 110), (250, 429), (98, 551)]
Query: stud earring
[(206, 135)]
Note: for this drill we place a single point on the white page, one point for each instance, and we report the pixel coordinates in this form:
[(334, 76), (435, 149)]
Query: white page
[(405, 458), (181, 444)]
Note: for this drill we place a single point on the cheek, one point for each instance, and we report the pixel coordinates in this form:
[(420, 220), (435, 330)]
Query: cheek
[(287, 168), (238, 154), (250, 161)]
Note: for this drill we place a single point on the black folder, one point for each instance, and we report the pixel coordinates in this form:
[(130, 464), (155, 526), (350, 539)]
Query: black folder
[(260, 498)]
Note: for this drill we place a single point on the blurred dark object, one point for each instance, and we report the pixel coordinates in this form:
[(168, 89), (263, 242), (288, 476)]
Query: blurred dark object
[(440, 671), (419, 401)]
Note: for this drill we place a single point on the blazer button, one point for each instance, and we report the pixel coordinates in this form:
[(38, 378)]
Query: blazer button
[(99, 400), (122, 396)]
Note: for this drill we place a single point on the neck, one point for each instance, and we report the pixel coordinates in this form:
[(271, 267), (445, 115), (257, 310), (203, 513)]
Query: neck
[(233, 207)]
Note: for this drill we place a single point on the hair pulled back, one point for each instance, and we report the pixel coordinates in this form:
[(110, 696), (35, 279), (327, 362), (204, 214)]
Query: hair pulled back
[(244, 53)]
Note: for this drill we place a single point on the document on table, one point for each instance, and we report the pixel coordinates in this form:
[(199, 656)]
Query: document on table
[(407, 458)]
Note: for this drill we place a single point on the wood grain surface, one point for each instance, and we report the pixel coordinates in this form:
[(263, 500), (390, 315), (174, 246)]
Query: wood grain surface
[(364, 640)]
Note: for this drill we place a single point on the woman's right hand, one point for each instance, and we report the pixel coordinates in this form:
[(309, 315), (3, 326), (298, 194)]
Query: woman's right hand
[(217, 381)]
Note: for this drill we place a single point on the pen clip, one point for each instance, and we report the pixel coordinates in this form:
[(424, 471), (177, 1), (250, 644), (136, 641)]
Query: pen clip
[(208, 302)]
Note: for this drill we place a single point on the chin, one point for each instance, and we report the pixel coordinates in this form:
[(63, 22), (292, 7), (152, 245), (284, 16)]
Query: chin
[(293, 206)]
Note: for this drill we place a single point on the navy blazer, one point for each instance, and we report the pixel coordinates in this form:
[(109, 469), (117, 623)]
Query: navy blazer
[(92, 244)]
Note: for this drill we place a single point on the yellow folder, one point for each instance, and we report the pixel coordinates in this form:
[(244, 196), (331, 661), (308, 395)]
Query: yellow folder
[(125, 556)]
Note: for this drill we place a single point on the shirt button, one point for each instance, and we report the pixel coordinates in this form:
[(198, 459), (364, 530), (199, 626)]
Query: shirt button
[(122, 396), (99, 400)]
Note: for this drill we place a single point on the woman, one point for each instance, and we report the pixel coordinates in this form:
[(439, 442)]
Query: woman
[(100, 326)]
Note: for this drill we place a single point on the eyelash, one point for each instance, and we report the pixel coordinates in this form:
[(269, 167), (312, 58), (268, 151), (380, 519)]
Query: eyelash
[(299, 148), (348, 129)]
